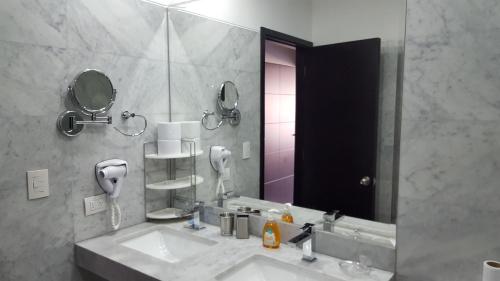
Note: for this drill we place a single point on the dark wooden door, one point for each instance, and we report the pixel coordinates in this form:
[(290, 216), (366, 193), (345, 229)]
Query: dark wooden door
[(336, 134)]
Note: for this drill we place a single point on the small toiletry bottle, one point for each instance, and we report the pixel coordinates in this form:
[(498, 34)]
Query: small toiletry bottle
[(287, 214), (271, 237)]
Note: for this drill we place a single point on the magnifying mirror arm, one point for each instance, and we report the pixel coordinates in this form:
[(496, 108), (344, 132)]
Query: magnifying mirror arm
[(233, 117), (74, 121), (228, 116), (94, 120)]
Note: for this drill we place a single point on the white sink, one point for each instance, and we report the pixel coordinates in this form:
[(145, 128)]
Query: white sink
[(262, 268), (168, 245)]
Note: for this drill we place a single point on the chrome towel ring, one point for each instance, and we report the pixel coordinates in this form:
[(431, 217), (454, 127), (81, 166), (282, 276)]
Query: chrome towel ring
[(126, 115)]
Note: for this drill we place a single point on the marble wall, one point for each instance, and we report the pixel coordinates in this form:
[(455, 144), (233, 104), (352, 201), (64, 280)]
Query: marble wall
[(203, 53), (390, 58), (448, 186), (43, 45)]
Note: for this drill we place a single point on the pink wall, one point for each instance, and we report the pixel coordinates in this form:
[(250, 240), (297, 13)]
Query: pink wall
[(279, 123)]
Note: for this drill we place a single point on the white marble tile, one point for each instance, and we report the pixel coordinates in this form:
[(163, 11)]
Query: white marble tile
[(194, 89), (448, 196), (199, 64), (39, 22), (434, 240), (451, 155), (43, 45), (347, 248), (383, 201), (37, 239), (32, 73), (200, 41), (105, 256), (123, 27), (390, 56), (457, 44)]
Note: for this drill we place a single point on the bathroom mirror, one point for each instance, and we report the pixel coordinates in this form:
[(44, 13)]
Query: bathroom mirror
[(319, 91), (228, 97), (92, 91)]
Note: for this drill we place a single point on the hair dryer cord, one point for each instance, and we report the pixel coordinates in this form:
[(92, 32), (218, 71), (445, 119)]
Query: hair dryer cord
[(116, 214)]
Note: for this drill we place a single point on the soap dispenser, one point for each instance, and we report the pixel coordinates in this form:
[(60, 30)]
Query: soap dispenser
[(287, 213), (271, 236)]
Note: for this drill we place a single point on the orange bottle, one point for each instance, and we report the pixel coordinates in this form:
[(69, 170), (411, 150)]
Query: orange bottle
[(271, 237), (287, 214)]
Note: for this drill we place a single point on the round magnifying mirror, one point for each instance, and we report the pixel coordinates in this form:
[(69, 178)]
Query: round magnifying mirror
[(93, 92), (228, 97)]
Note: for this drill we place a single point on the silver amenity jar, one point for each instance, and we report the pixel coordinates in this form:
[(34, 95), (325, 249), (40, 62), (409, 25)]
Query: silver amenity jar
[(226, 224)]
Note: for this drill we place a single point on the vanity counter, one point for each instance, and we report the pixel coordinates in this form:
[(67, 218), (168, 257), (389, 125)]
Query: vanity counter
[(106, 257), (374, 232)]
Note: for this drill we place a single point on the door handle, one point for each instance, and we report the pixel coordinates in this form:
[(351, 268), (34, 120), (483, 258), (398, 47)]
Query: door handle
[(365, 181)]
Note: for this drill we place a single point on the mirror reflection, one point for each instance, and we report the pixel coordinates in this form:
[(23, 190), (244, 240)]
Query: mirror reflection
[(327, 102), (93, 92), (228, 97)]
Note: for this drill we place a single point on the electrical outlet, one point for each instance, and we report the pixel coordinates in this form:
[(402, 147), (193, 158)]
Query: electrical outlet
[(95, 204), (246, 150)]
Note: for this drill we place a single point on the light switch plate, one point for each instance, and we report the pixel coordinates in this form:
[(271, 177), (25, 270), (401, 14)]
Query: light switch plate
[(246, 150), (95, 204), (38, 184)]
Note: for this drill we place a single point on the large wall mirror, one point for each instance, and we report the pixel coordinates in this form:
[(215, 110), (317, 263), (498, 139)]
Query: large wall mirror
[(319, 83)]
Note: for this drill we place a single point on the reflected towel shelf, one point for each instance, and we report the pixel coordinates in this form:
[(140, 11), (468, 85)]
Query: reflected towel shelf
[(167, 214), (172, 156), (183, 182)]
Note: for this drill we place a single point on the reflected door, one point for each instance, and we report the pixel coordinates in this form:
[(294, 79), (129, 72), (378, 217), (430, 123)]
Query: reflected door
[(337, 106), (279, 122)]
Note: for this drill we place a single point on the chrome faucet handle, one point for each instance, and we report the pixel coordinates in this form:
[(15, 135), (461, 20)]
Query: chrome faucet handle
[(329, 219), (307, 227), (229, 194)]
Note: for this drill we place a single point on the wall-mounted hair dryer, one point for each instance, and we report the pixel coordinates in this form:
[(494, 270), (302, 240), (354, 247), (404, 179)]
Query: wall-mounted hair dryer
[(219, 156), (110, 175)]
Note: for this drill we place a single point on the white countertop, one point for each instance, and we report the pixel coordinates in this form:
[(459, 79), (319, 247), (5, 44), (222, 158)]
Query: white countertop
[(369, 231), (228, 252)]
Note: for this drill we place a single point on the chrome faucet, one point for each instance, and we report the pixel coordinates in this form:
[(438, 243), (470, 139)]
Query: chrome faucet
[(329, 220), (224, 196), (194, 222), (305, 239)]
